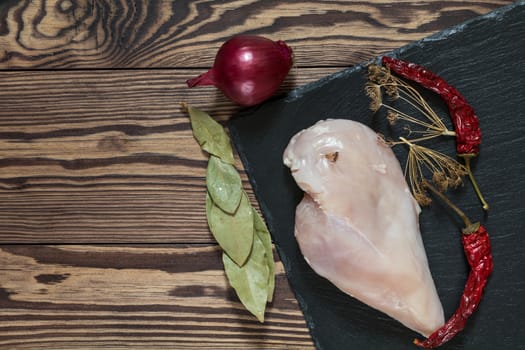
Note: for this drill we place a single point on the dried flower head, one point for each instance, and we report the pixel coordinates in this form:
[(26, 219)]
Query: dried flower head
[(373, 91), (440, 180), (392, 91), (392, 117), (456, 181), (379, 74), (422, 199), (445, 171), (374, 72), (381, 81)]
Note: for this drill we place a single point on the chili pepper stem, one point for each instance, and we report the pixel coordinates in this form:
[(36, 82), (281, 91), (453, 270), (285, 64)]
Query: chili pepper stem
[(466, 158), (469, 226)]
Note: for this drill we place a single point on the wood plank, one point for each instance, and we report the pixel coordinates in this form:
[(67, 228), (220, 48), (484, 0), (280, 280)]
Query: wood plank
[(95, 33), (134, 297), (106, 156)]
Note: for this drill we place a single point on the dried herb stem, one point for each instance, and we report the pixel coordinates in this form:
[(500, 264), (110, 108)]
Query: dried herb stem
[(466, 158), (448, 202)]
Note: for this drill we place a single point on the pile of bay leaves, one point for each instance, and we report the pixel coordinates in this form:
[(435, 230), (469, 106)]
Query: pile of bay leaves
[(235, 224)]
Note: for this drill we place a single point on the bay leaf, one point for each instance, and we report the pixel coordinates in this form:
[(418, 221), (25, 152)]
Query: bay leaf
[(263, 234), (234, 233), (210, 135), (224, 184), (251, 280)]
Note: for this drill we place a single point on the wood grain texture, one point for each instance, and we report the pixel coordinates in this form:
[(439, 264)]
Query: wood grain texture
[(94, 149), (115, 297), (142, 33), (106, 156)]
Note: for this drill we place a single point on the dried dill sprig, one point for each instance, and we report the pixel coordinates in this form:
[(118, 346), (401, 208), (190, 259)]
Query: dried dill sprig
[(446, 171), (381, 81)]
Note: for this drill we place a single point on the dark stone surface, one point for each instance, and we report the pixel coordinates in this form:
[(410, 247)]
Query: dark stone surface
[(484, 60)]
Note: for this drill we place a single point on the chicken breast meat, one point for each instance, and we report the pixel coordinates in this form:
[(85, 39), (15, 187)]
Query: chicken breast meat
[(358, 223)]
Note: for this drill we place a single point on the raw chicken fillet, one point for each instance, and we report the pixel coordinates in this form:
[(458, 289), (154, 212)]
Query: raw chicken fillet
[(358, 225)]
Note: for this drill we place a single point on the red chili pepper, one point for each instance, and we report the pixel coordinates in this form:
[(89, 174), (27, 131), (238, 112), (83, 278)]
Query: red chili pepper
[(476, 246), (466, 123)]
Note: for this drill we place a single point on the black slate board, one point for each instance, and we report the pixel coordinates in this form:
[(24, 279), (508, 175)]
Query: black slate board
[(484, 59)]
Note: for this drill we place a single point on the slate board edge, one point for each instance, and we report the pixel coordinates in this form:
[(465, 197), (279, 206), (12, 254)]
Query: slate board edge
[(495, 15)]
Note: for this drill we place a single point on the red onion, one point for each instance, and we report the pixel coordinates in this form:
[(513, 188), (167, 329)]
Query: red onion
[(248, 69)]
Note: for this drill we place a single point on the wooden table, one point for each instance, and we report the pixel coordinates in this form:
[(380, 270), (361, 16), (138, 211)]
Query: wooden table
[(104, 241)]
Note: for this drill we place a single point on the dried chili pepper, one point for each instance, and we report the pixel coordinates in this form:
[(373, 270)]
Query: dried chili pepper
[(476, 246), (466, 123)]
